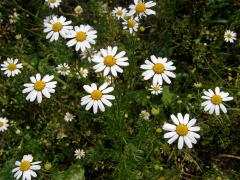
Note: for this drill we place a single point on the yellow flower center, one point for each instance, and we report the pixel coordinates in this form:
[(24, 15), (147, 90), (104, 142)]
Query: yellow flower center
[(229, 36), (158, 68), (109, 60), (39, 85), (140, 7), (1, 124), (52, 1), (96, 95), (25, 165), (131, 23), (216, 99), (12, 67), (119, 12), (81, 36), (57, 26), (156, 88), (182, 130)]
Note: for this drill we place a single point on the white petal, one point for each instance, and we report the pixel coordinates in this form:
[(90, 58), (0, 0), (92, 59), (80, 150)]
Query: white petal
[(180, 142)]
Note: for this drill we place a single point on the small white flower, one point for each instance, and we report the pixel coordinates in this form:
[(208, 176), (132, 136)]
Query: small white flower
[(119, 12), (78, 9), (79, 153), (13, 18), (131, 24), (10, 67), (97, 97), (230, 36), (57, 26), (108, 79), (53, 3), (159, 69), (214, 101), (69, 117), (183, 130), (26, 168), (39, 87), (110, 61), (82, 36), (145, 115), (3, 124), (63, 69), (89, 54), (156, 89), (82, 73), (48, 18), (140, 8)]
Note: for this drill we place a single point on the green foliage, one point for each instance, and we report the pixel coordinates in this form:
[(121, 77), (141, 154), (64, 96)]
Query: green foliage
[(119, 144)]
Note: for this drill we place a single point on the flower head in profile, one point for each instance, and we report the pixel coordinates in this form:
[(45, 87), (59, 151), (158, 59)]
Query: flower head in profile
[(38, 87), (82, 37), (109, 61), (11, 67), (183, 129), (88, 54), (79, 153), (68, 117), (156, 89), (145, 115), (82, 73), (158, 68), (63, 69), (57, 27), (141, 8), (119, 12), (3, 124), (53, 3), (131, 24), (98, 97), (230, 36), (26, 168), (214, 101)]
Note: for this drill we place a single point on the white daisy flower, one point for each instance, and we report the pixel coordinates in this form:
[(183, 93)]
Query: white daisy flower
[(11, 67), (3, 124), (131, 23), (69, 117), (79, 153), (82, 72), (98, 97), (230, 36), (214, 101), (78, 9), (39, 87), (156, 89), (119, 12), (83, 36), (159, 69), (109, 60), (57, 26), (63, 69), (145, 115), (89, 54), (13, 18), (26, 168), (183, 130), (140, 8), (53, 3)]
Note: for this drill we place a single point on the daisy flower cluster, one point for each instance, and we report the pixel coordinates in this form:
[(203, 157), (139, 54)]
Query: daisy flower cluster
[(130, 18), (230, 36)]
